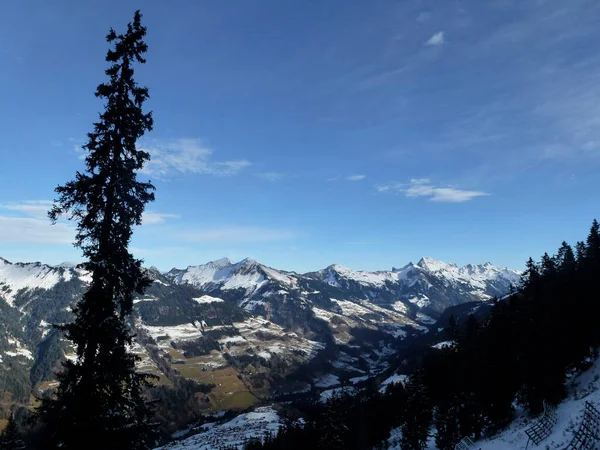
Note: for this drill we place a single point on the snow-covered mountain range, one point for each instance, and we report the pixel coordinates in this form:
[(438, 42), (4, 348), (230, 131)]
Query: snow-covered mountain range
[(261, 325), (428, 287)]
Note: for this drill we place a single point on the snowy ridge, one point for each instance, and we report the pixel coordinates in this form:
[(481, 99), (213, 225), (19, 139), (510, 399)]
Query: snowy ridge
[(246, 274), (18, 276), (476, 275), (249, 274), (335, 271)]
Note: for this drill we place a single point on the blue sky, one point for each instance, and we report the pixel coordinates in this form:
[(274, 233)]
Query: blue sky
[(308, 133)]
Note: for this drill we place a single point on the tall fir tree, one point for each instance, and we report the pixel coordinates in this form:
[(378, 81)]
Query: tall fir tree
[(418, 413), (100, 402), (593, 242), (10, 439)]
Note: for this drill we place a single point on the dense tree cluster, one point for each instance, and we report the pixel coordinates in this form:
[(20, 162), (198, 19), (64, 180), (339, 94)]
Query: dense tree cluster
[(10, 438)]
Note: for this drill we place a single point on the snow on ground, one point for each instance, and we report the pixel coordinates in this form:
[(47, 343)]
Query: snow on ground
[(585, 387), (424, 318), (399, 307), (232, 339), (18, 350), (328, 380), (474, 274), (252, 280), (421, 301), (46, 327), (266, 338), (351, 308), (212, 272), (184, 331), (359, 379), (365, 278), (279, 276), (441, 345), (207, 299), (145, 299), (396, 378), (236, 433), (28, 276), (330, 393)]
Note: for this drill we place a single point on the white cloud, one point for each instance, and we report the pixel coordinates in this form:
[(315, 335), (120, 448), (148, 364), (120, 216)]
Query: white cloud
[(271, 176), (453, 195), (188, 156), (24, 230), (436, 39), (152, 217), (27, 222), (236, 235), (356, 177), (34, 208), (422, 187), (32, 225)]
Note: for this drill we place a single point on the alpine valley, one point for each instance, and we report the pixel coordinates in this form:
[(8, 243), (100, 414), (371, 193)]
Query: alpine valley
[(227, 336)]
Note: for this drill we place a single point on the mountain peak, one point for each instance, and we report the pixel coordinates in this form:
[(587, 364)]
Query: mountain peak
[(432, 264), (337, 268), (248, 263), (222, 262)]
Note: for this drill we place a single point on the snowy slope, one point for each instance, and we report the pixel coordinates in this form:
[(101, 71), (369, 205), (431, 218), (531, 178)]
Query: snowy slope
[(585, 387), (18, 276), (237, 432)]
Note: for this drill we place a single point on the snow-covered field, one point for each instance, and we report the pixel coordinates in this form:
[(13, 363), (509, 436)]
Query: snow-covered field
[(237, 432)]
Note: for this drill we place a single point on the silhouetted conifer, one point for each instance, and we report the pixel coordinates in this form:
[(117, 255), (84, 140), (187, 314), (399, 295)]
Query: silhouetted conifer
[(99, 403), (10, 439)]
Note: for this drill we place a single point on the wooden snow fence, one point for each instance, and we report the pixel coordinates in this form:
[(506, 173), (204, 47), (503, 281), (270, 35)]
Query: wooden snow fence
[(588, 434), (542, 428), (465, 444)]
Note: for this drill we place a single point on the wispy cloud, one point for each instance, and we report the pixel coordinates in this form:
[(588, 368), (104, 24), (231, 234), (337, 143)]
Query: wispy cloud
[(153, 217), (271, 176), (423, 187), (27, 223), (33, 208), (356, 177), (188, 156), (237, 235), (436, 39)]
